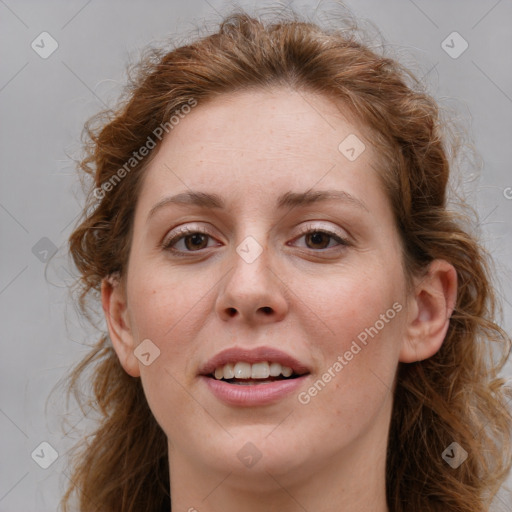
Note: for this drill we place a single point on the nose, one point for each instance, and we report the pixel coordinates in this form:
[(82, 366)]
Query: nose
[(252, 291)]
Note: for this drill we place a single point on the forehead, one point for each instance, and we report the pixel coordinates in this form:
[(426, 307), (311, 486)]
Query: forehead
[(277, 117), (263, 140)]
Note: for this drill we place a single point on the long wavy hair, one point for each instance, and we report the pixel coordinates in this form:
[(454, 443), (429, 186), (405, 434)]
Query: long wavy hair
[(454, 396)]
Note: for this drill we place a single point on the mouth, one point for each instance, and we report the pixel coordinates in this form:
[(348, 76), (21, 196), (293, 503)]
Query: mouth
[(243, 373), (255, 377)]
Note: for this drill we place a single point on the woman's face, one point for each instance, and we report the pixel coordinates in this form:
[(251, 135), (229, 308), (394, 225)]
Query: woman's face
[(275, 267)]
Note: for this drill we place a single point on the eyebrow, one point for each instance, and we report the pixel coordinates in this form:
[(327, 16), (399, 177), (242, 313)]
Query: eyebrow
[(287, 200)]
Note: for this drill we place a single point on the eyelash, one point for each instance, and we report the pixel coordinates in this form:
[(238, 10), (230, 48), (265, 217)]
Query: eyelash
[(183, 233)]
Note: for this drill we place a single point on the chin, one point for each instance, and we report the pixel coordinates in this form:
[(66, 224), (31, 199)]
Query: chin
[(262, 453)]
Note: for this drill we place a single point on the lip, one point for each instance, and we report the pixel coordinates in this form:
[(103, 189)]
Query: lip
[(253, 395), (254, 355)]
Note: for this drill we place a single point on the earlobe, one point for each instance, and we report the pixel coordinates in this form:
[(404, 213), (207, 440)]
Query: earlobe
[(113, 299), (430, 310)]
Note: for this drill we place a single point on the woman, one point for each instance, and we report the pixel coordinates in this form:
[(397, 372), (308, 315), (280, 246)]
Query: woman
[(296, 320)]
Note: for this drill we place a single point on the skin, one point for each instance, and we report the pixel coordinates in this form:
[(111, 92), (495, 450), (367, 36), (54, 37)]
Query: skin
[(308, 297)]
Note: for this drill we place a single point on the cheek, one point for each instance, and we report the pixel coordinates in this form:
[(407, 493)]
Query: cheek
[(356, 335), (351, 392), (164, 303), (349, 304), (167, 311)]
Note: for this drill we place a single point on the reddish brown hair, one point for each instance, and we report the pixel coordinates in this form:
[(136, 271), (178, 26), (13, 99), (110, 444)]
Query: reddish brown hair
[(455, 395)]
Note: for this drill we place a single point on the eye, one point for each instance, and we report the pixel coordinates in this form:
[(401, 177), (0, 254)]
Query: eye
[(321, 239), (191, 240), (196, 239)]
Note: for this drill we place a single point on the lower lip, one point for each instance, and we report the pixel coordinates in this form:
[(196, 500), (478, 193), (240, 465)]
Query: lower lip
[(252, 395)]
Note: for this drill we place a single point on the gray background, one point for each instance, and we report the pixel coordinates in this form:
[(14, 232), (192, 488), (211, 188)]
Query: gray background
[(43, 106)]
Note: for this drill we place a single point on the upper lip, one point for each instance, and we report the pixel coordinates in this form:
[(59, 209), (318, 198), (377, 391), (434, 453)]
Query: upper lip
[(253, 355)]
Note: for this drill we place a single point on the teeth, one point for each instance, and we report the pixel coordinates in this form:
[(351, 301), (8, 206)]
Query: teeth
[(260, 370), (286, 371), (243, 370), (229, 371), (275, 369)]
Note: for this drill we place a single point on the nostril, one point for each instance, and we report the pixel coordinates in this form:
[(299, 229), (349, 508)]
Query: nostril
[(267, 309), (231, 311)]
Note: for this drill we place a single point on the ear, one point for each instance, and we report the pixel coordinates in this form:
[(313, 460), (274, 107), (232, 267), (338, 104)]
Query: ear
[(113, 299), (429, 312)]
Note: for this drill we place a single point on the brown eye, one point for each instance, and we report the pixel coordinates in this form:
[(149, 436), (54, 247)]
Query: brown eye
[(187, 241), (196, 241), (317, 240)]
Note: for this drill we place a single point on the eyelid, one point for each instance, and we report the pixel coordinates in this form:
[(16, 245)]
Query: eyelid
[(342, 241), (315, 227), (182, 231)]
